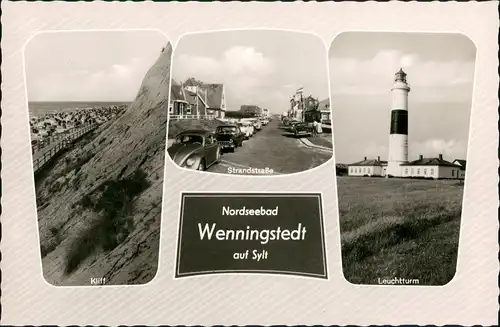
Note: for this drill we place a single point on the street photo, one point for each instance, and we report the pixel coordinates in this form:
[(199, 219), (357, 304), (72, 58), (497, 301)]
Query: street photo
[(249, 102), (98, 103), (401, 106)]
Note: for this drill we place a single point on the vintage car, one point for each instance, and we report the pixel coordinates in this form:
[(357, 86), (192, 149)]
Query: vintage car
[(229, 137), (257, 125), (195, 149), (246, 128), (300, 129), (291, 125)]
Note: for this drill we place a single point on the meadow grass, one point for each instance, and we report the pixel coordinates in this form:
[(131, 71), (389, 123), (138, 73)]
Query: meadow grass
[(399, 228)]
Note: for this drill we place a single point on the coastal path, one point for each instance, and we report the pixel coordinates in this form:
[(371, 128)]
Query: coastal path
[(56, 144)]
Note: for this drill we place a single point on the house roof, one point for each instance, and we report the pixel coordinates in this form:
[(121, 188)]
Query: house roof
[(214, 95), (194, 132), (430, 162), (324, 105), (369, 162), (461, 162), (190, 97), (176, 92)]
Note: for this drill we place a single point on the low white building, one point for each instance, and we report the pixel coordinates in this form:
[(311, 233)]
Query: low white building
[(367, 167), (462, 164), (436, 168)]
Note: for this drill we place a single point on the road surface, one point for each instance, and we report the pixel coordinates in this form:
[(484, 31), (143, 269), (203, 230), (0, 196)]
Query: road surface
[(274, 149)]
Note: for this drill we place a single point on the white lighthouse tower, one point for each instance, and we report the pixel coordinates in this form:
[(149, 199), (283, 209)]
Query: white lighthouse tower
[(398, 139)]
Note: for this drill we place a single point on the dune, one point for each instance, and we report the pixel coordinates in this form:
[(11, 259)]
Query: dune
[(99, 206)]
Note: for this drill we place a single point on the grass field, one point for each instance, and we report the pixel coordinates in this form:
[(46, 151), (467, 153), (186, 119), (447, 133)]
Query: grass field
[(399, 228)]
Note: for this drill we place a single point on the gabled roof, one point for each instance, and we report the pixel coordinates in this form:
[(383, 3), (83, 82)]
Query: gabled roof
[(461, 162), (191, 97), (176, 92), (430, 162), (324, 104), (370, 162), (214, 95)]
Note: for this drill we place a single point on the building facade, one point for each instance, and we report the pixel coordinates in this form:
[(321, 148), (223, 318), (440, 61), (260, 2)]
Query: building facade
[(197, 100), (462, 165), (432, 168), (436, 168), (324, 108), (368, 168)]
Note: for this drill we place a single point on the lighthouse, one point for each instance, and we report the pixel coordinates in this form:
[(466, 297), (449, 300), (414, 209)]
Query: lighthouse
[(398, 138)]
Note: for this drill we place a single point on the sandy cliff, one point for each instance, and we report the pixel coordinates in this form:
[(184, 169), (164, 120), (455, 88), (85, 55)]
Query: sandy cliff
[(100, 204)]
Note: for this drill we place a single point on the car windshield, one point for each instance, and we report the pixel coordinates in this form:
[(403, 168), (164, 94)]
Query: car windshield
[(226, 129), (189, 139)]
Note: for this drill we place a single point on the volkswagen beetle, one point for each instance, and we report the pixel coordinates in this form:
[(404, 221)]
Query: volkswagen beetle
[(195, 149)]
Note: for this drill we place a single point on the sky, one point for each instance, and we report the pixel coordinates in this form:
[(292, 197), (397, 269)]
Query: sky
[(440, 70), (90, 65), (263, 67)]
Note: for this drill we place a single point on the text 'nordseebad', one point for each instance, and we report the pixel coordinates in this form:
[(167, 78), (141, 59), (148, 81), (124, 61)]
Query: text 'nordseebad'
[(228, 211)]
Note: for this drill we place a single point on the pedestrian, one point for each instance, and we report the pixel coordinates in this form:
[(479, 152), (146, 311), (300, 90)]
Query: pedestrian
[(319, 128), (315, 128), (310, 127)]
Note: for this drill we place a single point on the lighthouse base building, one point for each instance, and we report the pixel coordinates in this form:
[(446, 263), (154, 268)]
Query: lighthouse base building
[(428, 168)]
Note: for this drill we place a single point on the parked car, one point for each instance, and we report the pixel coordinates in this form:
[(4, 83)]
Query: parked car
[(257, 125), (301, 129), (195, 149), (229, 137), (246, 128), (291, 125)]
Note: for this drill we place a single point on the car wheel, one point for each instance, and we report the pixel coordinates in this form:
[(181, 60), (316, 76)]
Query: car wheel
[(201, 166)]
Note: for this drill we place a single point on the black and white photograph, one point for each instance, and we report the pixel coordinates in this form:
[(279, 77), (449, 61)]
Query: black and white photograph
[(249, 102), (401, 106), (98, 106)]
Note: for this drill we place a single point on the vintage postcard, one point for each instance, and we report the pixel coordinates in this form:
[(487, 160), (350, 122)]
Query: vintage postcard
[(263, 163)]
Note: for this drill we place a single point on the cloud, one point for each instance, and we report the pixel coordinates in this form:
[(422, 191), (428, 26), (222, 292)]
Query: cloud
[(204, 68), (450, 149), (243, 70), (373, 150), (242, 61), (112, 82), (436, 80)]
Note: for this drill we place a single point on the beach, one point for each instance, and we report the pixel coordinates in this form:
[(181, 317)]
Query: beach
[(52, 120)]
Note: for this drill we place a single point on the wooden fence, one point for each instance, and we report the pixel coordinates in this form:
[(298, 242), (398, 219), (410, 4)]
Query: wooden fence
[(55, 144), (193, 117)]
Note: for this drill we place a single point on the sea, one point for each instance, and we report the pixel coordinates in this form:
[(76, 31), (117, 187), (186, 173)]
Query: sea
[(39, 109)]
